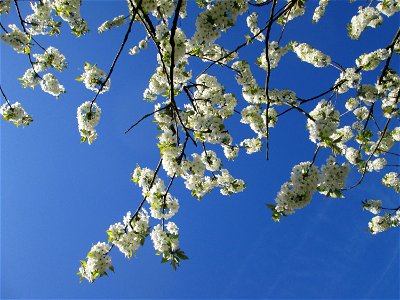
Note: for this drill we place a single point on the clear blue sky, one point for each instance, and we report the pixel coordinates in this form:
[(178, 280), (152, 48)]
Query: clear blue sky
[(59, 196)]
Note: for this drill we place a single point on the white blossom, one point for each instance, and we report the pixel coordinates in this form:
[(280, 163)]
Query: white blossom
[(94, 78), (352, 155), (333, 178), (392, 180), (349, 79), (297, 193), (352, 104), (69, 11), (30, 79), (130, 236), (50, 84), (133, 51), (320, 10), (15, 113), (379, 224), (396, 134), (252, 23), (216, 18), (274, 54), (210, 160), (310, 55), (98, 262), (228, 184), (165, 242), (116, 22), (88, 116), (361, 113), (40, 22), (368, 16), (369, 61), (251, 145), (51, 58), (373, 206), (325, 121), (376, 164), (388, 7), (5, 6), (17, 39)]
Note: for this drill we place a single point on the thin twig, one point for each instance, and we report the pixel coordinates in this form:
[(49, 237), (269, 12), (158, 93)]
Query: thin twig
[(268, 76), (146, 116), (277, 16), (5, 97), (118, 54)]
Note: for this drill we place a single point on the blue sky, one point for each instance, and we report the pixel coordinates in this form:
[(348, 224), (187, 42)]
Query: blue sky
[(59, 196)]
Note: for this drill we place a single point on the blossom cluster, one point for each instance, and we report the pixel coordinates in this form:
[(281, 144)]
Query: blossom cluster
[(41, 22), (48, 83), (323, 122), (333, 178), (310, 55), (17, 39), (366, 17), (94, 79), (252, 23), (52, 58), (159, 82), (369, 61), (252, 145), (373, 206), (381, 223), (274, 54), (306, 179), (388, 7), (349, 78), (51, 85), (116, 22), (320, 10), (5, 6), (162, 204), (218, 17), (297, 193), (388, 88), (205, 116), (15, 113), (69, 11), (97, 264), (142, 45), (88, 115), (251, 91), (211, 108), (392, 180), (166, 243), (294, 9), (130, 235)]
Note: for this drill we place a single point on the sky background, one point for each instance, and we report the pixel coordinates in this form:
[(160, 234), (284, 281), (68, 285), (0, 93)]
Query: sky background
[(58, 196)]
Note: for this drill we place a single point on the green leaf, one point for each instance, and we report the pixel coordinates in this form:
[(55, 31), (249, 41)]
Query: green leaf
[(270, 206), (181, 255), (27, 50), (173, 264)]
